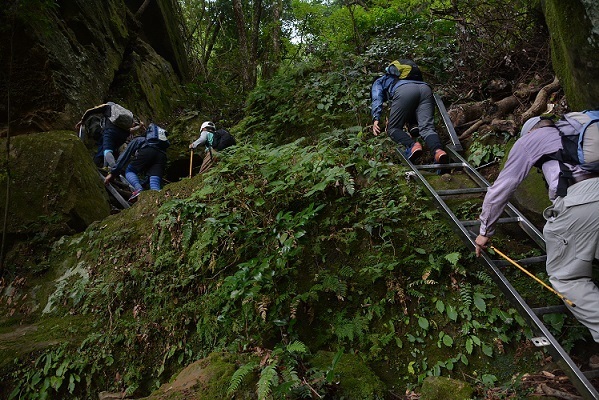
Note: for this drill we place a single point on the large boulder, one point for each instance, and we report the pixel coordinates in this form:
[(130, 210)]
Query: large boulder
[(574, 29), (54, 186)]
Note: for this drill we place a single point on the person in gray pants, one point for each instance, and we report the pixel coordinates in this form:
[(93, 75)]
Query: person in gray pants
[(571, 230), (411, 101)]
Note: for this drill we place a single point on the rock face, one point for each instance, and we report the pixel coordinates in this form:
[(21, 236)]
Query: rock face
[(61, 59), (574, 28), (54, 185)]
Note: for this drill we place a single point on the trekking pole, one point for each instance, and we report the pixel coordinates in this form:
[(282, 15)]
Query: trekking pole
[(190, 163), (561, 296)]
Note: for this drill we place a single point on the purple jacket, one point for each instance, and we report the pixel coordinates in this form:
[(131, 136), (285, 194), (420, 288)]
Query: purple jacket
[(527, 150)]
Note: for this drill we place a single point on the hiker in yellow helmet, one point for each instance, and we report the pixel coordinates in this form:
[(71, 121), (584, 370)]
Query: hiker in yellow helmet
[(411, 100)]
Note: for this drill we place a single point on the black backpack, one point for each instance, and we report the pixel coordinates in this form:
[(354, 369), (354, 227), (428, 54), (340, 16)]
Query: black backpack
[(222, 139)]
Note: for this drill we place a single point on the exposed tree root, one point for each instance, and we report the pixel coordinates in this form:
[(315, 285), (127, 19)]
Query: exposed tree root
[(498, 114)]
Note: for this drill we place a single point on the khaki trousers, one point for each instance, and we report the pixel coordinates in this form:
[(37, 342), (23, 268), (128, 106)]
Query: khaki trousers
[(572, 237)]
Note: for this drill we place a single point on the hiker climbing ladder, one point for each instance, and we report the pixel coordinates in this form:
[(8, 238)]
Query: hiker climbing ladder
[(542, 337)]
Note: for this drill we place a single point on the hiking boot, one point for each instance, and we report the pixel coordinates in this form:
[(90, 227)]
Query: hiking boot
[(414, 152), (134, 195), (441, 157), (594, 362)]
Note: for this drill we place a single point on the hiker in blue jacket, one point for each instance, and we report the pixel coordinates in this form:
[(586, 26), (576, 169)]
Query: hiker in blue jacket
[(144, 154), (411, 100), (571, 230), (118, 124)]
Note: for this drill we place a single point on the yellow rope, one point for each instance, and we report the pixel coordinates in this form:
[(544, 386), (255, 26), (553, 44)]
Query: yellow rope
[(561, 296)]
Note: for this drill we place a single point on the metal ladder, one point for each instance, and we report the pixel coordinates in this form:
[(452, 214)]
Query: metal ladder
[(543, 338), (112, 190)]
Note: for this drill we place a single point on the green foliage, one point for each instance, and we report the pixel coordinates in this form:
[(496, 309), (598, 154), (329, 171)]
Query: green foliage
[(480, 153), (303, 238), (277, 373)]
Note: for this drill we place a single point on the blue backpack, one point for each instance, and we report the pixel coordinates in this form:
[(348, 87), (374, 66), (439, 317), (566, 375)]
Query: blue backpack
[(157, 137)]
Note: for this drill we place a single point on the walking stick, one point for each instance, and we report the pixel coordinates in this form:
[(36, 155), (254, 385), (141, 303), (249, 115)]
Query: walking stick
[(190, 163), (561, 296)]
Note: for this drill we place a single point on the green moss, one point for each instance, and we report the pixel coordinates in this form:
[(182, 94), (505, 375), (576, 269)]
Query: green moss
[(54, 184), (574, 52), (356, 381), (206, 379), (438, 387), (21, 339)]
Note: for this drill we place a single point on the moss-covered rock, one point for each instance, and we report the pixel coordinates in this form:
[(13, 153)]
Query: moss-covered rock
[(67, 59), (574, 28), (205, 379), (54, 185), (356, 381), (441, 388)]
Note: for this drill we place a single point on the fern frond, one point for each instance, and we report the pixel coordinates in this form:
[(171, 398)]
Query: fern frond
[(263, 308), (466, 294), (268, 379), (422, 282), (484, 277), (238, 376), (290, 375), (297, 347)]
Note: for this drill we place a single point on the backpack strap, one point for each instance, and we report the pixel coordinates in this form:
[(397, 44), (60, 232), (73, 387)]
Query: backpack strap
[(565, 179), (581, 137)]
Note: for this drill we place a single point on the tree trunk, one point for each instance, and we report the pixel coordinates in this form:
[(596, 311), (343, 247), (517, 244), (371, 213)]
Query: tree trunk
[(244, 63), (275, 57)]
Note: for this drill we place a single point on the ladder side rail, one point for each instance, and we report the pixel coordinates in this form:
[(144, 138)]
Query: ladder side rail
[(124, 203), (455, 141)]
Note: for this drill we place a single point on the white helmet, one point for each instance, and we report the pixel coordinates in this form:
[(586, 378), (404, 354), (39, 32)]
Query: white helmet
[(208, 125)]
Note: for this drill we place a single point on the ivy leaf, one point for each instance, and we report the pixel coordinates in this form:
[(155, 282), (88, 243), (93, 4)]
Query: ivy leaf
[(479, 302), (411, 367), (488, 350), (452, 313), (464, 359), (469, 346), (423, 322), (440, 306), (447, 341)]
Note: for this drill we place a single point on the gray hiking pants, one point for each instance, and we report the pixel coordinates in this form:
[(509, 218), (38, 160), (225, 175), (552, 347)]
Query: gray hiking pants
[(572, 237), (413, 102)]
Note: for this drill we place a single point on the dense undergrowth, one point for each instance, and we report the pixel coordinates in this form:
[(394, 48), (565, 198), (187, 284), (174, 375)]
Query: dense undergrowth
[(304, 247), (280, 251)]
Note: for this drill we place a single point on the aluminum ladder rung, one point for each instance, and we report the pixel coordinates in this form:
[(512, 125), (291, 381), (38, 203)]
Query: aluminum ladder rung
[(440, 166), (523, 261), (559, 309), (453, 192), (508, 220)]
